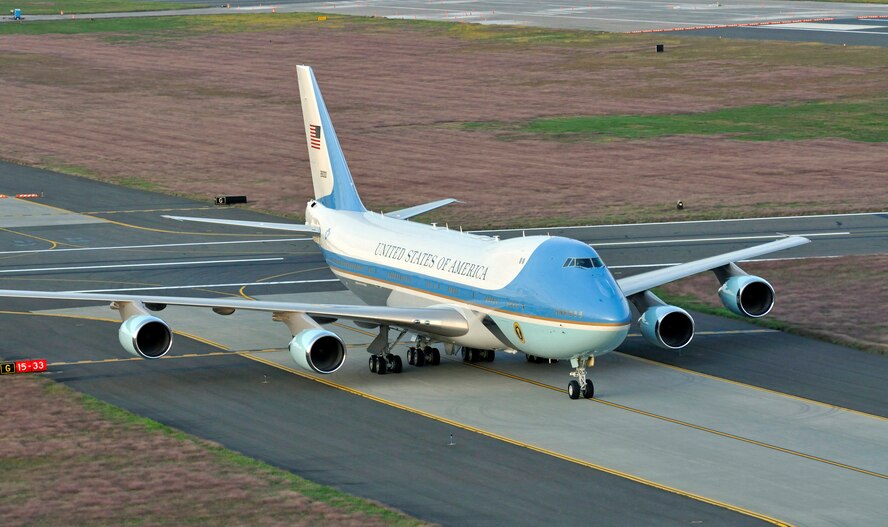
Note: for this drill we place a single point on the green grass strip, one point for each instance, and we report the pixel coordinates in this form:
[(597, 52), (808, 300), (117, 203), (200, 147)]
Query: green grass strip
[(54, 7), (865, 121)]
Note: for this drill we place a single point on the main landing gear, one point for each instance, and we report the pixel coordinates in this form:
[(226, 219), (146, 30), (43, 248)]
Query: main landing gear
[(478, 355), (581, 386), (423, 354), (383, 360)]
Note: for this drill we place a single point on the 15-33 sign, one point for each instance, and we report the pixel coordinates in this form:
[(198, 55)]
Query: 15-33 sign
[(23, 366)]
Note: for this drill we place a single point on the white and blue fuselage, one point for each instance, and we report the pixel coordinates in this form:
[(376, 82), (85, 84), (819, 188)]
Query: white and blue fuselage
[(545, 296)]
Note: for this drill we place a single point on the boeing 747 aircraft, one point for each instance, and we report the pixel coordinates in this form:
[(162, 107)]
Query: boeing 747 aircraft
[(545, 296)]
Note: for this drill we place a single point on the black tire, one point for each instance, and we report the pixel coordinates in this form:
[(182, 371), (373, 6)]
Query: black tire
[(436, 357), (411, 356), (381, 366), (420, 359), (466, 354), (588, 390), (573, 390), (530, 358), (475, 356), (397, 365), (489, 355), (373, 363)]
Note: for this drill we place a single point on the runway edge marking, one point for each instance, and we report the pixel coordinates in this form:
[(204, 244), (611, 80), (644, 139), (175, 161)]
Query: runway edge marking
[(601, 468)]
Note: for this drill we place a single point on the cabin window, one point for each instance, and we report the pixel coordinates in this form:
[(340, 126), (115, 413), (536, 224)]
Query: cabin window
[(584, 263)]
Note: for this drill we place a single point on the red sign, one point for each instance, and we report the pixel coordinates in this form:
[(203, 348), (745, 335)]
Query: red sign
[(23, 366)]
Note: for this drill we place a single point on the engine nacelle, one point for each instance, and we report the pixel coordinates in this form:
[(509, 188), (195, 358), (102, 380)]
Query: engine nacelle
[(145, 336), (318, 350), (747, 295), (669, 327)]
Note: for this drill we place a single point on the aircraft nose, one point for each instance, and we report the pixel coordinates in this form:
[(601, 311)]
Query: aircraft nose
[(609, 303), (614, 310)]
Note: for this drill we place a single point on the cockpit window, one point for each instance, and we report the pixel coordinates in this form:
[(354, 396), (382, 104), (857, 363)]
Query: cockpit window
[(584, 263)]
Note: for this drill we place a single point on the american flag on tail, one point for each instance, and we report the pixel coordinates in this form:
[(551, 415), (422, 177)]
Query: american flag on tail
[(315, 135)]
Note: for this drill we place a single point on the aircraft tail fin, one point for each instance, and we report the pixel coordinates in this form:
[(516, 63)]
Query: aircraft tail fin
[(333, 184)]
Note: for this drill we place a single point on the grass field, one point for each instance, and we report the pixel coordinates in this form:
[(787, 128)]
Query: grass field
[(182, 26), (51, 7), (855, 121)]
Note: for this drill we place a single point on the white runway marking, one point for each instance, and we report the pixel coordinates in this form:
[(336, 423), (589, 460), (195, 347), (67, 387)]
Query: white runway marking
[(825, 29), (239, 284), (810, 26), (155, 246), (130, 266)]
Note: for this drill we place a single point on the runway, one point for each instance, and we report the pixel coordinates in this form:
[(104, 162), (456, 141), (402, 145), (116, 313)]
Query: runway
[(841, 21), (747, 426)]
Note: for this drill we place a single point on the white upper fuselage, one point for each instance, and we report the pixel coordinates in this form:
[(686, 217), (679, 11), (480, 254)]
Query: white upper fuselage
[(517, 293)]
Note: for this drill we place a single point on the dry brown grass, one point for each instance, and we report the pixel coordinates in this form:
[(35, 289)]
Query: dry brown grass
[(213, 114), (63, 464), (836, 298)]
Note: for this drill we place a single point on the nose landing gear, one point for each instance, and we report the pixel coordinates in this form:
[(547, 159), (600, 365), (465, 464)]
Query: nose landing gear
[(581, 386)]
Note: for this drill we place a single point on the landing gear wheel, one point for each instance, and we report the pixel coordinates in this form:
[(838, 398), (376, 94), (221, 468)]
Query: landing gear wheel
[(573, 390), (435, 359), (411, 356), (381, 365), (420, 359), (588, 390), (530, 358), (374, 363), (397, 365), (466, 354), (488, 355)]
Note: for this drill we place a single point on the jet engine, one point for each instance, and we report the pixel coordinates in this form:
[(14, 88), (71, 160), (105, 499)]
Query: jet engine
[(667, 326), (145, 336), (747, 295), (318, 350)]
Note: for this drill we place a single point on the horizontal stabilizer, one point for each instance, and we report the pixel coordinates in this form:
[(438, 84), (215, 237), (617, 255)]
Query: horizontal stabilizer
[(644, 281), (410, 212), (294, 227)]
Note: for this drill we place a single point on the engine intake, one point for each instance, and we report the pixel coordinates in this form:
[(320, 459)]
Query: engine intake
[(145, 336), (318, 350), (747, 295), (667, 326)]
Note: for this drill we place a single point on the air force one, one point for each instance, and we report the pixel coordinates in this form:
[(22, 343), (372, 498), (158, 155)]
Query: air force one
[(545, 296)]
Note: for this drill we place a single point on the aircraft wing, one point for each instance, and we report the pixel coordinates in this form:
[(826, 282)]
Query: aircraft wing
[(438, 320), (644, 281), (295, 227), (410, 212)]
